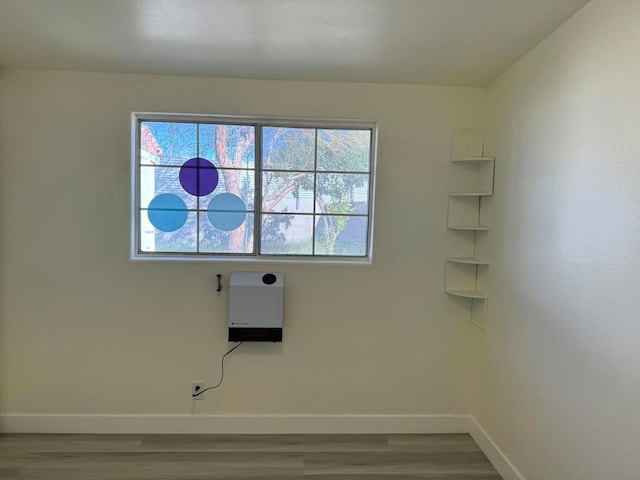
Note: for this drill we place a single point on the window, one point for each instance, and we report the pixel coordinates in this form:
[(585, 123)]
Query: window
[(210, 187)]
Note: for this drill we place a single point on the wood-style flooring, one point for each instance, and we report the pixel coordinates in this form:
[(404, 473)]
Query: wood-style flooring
[(235, 457)]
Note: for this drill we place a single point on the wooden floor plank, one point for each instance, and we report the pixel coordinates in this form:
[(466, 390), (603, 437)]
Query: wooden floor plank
[(397, 463), (243, 457), (27, 443), (156, 465), (266, 443), (10, 473), (443, 442), (376, 476)]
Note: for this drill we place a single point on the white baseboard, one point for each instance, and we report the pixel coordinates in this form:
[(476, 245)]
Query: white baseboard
[(496, 456), (25, 423)]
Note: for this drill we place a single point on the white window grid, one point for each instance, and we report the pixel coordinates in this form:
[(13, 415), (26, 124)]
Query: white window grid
[(257, 123)]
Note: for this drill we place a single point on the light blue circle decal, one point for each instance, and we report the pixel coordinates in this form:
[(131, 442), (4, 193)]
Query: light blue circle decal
[(167, 212), (226, 211)]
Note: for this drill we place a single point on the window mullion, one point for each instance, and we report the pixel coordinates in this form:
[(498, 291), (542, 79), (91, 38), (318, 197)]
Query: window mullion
[(198, 197), (315, 185), (257, 201)]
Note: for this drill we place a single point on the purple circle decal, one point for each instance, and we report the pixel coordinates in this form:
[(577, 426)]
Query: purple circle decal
[(198, 176)]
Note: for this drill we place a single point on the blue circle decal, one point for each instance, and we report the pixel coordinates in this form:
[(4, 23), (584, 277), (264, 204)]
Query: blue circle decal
[(167, 212), (198, 176), (226, 211)]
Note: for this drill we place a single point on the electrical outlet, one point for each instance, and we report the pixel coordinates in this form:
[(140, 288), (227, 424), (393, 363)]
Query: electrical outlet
[(197, 387)]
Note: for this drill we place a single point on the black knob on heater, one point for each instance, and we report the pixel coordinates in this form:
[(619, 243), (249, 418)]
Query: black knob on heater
[(269, 278)]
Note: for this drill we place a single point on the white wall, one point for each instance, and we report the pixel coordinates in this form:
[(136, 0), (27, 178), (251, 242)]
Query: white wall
[(557, 381), (85, 331)]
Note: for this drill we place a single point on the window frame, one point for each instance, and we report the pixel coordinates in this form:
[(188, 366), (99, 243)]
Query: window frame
[(258, 123)]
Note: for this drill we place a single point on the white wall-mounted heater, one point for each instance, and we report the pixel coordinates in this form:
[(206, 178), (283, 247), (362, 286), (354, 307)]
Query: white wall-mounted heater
[(256, 301)]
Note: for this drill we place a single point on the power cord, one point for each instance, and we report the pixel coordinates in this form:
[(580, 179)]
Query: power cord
[(194, 395)]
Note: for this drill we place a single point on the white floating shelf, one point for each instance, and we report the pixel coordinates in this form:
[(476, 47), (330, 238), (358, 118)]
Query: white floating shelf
[(469, 227), (478, 294), (467, 260), (464, 276), (473, 159), (471, 194)]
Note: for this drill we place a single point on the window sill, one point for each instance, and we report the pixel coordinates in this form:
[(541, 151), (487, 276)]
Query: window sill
[(251, 260)]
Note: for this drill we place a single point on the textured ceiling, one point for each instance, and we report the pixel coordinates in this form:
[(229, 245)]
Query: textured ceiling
[(454, 42)]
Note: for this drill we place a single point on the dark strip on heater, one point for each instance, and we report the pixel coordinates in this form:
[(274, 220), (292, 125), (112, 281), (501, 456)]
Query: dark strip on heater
[(255, 334)]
